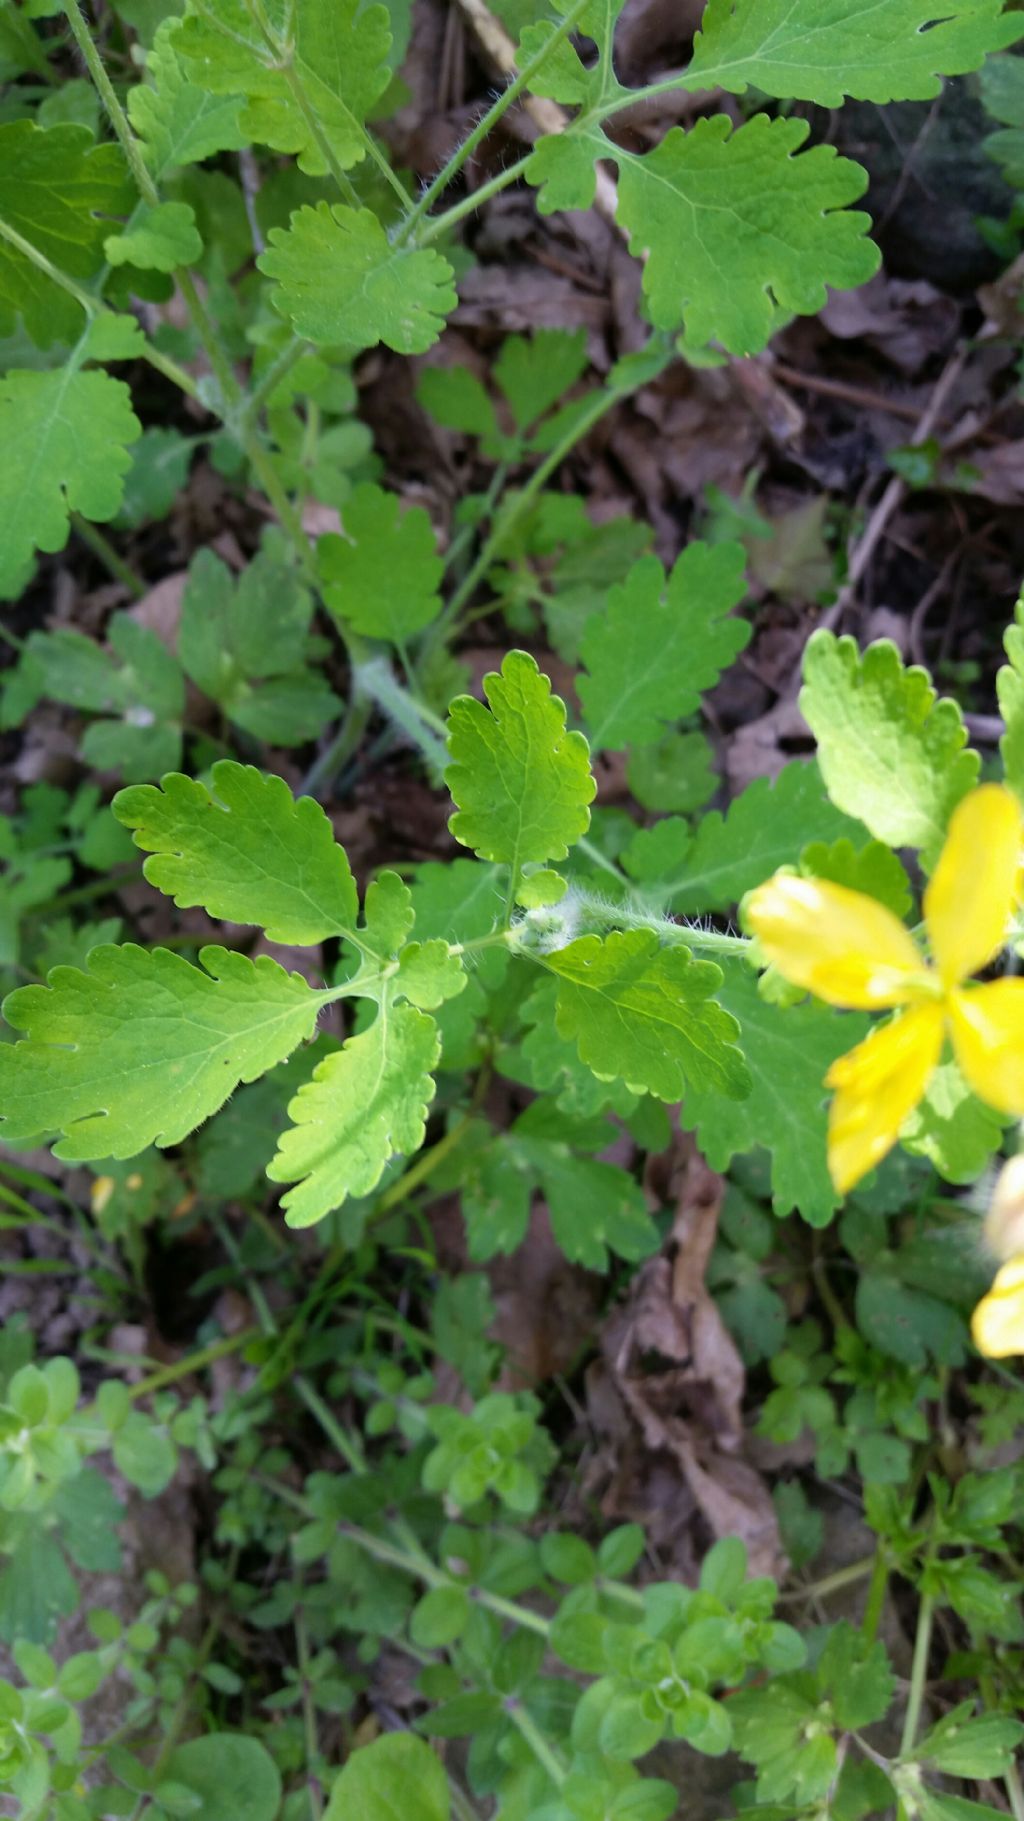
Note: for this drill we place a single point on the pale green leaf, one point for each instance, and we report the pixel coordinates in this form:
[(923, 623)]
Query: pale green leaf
[(660, 644), (595, 1207), (1002, 92), (364, 1104), (536, 373), (244, 642), (139, 1048), (247, 851), (889, 752), (428, 974), (339, 54), (178, 121), (382, 575), (159, 239), (644, 1015), (564, 76), (1010, 691), (520, 781), (825, 50), (788, 1053), (144, 693), (714, 201), (388, 917), (231, 1775), (397, 1778), (455, 398), (873, 869), (957, 1132), (58, 189), (339, 280), (64, 439), (159, 470)]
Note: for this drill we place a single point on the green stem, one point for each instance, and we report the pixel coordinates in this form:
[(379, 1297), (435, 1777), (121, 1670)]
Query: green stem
[(423, 727), (325, 769), (1011, 1779), (489, 120), (602, 402), (544, 1753), (877, 1590), (118, 118), (268, 383), (193, 1362), (284, 56), (918, 1674), (440, 224), (829, 1583), (104, 549), (313, 1788)]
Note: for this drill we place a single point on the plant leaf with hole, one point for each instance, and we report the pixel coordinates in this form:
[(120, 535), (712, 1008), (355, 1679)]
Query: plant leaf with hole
[(739, 227), (826, 50)]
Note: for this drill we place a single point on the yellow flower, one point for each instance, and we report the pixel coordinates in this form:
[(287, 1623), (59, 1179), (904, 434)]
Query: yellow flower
[(998, 1321), (849, 950)]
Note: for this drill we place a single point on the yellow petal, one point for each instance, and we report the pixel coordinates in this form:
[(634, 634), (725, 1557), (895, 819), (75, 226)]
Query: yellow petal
[(877, 1085), (970, 898), (841, 945), (998, 1321), (986, 1024)]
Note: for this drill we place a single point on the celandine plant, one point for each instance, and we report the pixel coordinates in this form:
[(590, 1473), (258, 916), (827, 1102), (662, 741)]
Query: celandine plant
[(605, 964)]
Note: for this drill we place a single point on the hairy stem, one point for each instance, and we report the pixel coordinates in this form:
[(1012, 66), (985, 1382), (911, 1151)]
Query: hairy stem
[(489, 121)]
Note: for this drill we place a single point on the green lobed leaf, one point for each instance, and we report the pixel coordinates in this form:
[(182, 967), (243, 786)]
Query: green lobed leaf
[(139, 1048), (644, 1015), (397, 1778), (659, 644), (788, 1053), (957, 1132), (365, 1103), (160, 239), (247, 851), (245, 643), (826, 50), (535, 373), (64, 440), (521, 783), (381, 577), (765, 827), (177, 121), (713, 201), (964, 1744), (873, 869), (889, 752), (58, 189), (339, 279), (337, 49)]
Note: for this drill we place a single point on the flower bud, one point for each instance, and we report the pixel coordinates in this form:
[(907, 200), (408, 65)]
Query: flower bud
[(1004, 1222)]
